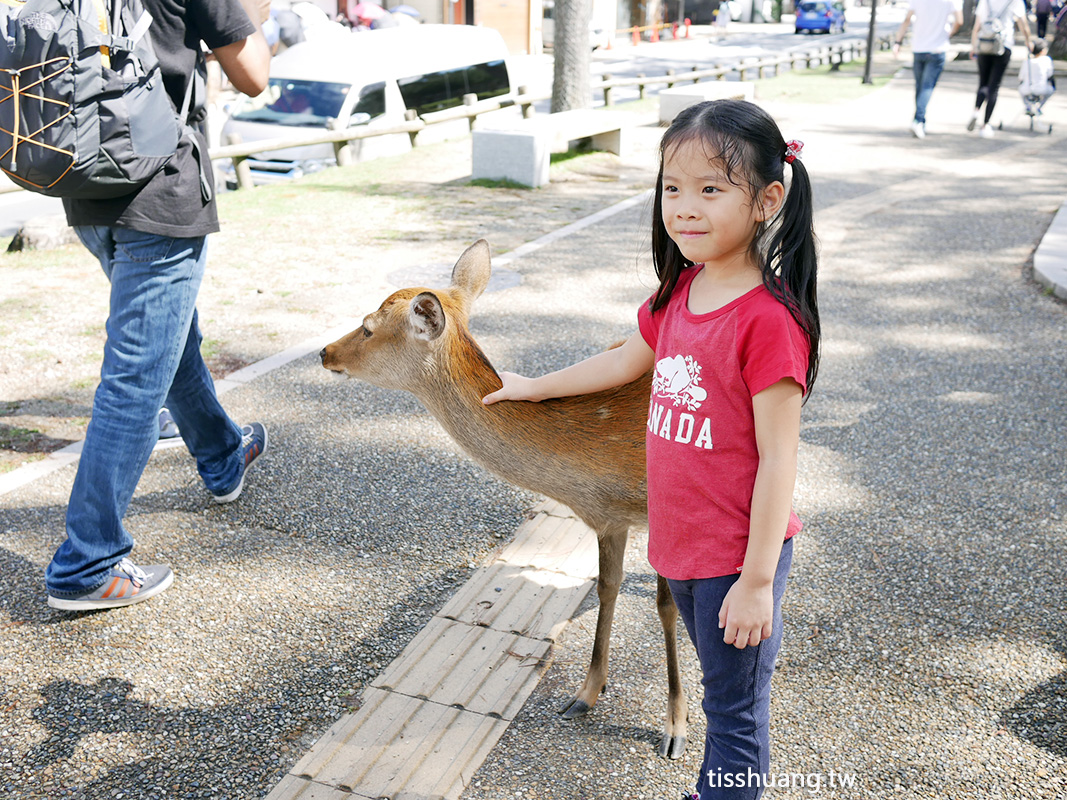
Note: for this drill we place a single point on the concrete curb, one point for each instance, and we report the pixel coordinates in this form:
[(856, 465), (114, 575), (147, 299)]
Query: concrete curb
[(1050, 258)]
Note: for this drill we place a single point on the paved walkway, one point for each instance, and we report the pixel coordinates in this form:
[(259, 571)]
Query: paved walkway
[(924, 652)]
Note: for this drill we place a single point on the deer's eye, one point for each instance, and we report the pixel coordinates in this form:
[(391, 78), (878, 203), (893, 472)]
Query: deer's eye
[(366, 332)]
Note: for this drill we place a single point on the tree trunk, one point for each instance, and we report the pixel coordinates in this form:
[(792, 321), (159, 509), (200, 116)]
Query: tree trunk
[(571, 84)]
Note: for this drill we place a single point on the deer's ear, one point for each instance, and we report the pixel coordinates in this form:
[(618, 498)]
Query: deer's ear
[(471, 273), (427, 317)]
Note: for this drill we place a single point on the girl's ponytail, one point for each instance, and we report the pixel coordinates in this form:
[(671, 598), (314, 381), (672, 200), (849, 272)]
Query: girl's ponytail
[(790, 265)]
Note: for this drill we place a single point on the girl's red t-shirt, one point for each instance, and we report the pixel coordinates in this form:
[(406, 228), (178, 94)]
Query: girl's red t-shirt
[(701, 439)]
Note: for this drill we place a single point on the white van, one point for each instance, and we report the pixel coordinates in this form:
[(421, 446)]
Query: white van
[(369, 78)]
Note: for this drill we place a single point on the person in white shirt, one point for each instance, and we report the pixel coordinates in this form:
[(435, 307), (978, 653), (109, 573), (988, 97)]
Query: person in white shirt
[(991, 66), (935, 22)]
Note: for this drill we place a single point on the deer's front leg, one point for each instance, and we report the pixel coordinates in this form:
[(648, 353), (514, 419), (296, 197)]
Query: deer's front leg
[(611, 548)]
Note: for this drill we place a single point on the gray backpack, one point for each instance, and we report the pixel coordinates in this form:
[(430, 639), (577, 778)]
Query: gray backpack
[(994, 33), (83, 110)]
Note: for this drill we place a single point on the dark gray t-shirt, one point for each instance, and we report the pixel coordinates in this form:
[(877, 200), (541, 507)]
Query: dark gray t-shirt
[(171, 203)]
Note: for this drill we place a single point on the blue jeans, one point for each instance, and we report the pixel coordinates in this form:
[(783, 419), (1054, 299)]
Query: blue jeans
[(151, 359), (927, 68), (737, 687)]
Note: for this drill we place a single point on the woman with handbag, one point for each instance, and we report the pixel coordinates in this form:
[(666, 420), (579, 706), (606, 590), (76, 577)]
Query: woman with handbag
[(991, 40)]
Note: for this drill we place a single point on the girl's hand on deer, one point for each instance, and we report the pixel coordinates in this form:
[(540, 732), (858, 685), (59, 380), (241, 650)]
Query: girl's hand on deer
[(747, 614), (516, 387)]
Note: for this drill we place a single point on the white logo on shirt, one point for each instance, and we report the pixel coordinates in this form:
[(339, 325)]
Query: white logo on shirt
[(677, 379)]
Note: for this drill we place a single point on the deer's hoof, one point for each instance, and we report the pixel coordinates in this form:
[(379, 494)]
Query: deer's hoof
[(672, 747), (574, 708)]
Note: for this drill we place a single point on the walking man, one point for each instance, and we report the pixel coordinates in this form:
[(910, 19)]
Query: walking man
[(935, 22), (151, 245)]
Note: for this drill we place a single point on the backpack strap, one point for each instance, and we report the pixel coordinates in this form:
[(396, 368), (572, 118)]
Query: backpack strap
[(102, 24), (203, 161), (1000, 16), (103, 33)]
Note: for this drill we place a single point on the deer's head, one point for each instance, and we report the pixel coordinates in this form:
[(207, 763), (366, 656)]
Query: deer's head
[(403, 341)]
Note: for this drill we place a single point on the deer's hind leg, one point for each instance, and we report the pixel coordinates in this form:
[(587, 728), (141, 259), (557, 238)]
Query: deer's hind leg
[(674, 730), (611, 545)]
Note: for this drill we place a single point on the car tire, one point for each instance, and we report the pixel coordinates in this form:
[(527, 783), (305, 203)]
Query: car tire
[(798, 31)]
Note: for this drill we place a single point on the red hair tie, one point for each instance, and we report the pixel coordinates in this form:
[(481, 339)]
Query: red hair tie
[(792, 150)]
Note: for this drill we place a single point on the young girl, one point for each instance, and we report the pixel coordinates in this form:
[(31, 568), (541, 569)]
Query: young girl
[(733, 334)]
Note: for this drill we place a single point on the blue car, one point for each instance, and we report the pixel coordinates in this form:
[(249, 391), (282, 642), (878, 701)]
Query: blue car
[(820, 15)]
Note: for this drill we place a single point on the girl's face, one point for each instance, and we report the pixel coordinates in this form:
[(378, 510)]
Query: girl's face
[(712, 220)]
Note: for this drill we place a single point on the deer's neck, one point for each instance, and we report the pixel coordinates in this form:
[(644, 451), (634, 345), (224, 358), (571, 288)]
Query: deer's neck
[(586, 452), (453, 391)]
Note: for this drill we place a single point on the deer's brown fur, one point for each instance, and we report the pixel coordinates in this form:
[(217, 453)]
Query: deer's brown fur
[(587, 452)]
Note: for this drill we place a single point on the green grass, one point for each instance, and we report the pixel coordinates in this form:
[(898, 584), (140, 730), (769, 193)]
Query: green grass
[(825, 84), (562, 158), (69, 255), (12, 438), (489, 183), (210, 348)]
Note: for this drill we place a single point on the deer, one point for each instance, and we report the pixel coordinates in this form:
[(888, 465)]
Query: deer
[(586, 452)]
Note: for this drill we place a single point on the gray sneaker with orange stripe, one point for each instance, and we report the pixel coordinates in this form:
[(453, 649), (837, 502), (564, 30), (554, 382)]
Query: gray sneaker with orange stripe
[(125, 585)]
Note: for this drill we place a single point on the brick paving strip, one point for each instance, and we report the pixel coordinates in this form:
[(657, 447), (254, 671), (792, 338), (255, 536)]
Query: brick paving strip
[(430, 719)]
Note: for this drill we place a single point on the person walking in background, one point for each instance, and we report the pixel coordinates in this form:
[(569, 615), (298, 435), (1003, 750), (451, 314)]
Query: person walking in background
[(994, 55), (935, 22), (733, 335), (1042, 10), (151, 245)]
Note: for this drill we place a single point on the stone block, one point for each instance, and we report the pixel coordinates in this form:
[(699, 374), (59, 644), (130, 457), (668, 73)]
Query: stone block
[(519, 154), (678, 98)]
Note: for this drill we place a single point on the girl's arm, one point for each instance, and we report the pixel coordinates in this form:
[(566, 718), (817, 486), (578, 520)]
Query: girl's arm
[(623, 364), (748, 608)]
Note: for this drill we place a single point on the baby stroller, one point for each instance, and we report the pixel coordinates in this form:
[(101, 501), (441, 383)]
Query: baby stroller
[(1036, 85)]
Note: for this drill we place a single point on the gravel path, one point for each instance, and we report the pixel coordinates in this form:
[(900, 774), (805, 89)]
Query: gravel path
[(925, 649)]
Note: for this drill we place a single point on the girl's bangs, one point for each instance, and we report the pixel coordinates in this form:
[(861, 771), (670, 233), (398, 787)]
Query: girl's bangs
[(718, 147)]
